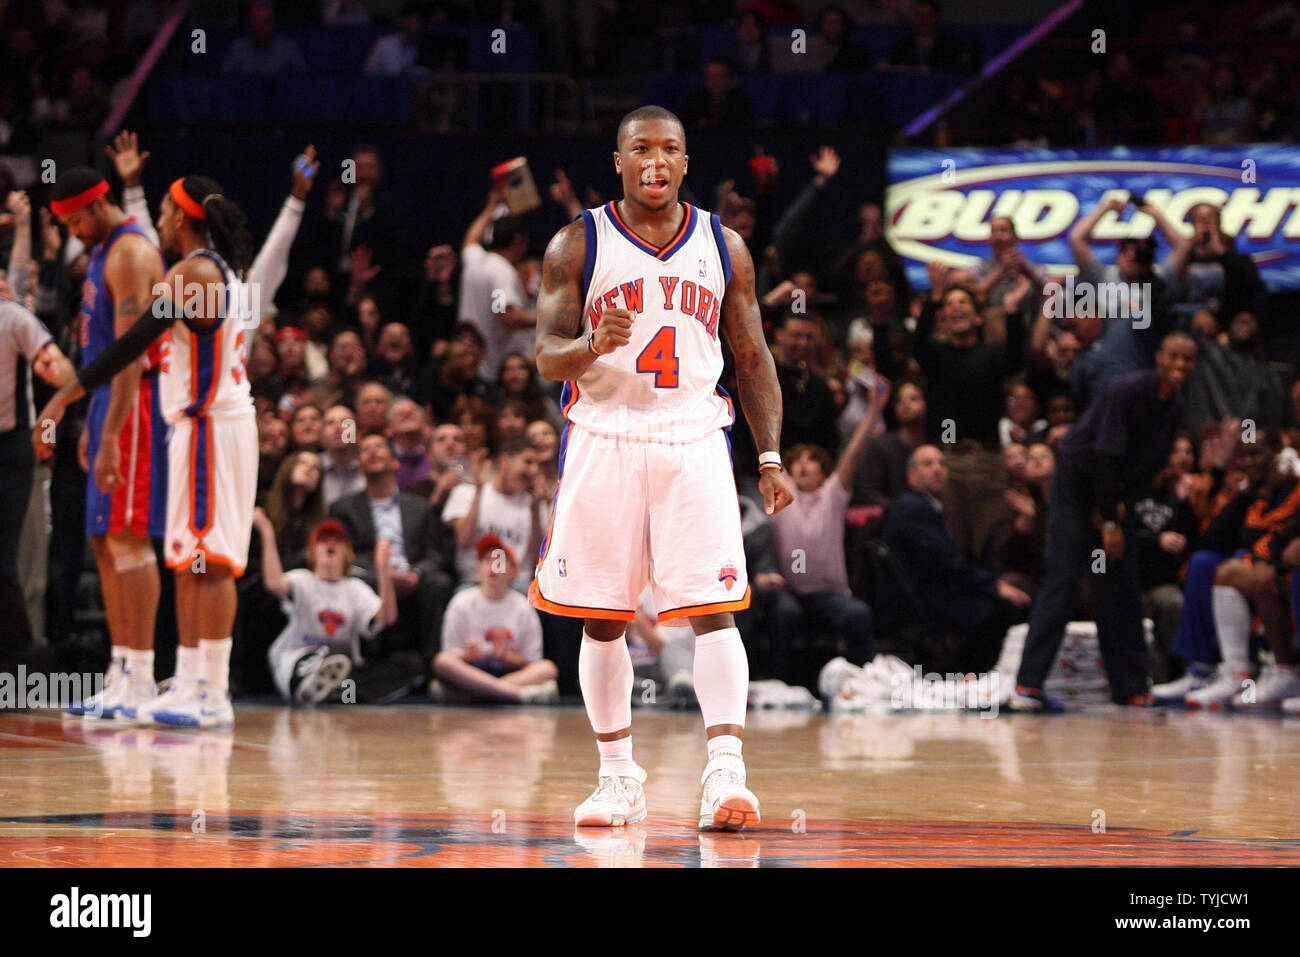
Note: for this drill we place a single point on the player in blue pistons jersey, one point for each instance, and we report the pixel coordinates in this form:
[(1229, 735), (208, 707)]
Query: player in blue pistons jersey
[(635, 296)]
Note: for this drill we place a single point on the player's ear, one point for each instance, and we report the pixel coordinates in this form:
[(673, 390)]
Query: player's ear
[(618, 163)]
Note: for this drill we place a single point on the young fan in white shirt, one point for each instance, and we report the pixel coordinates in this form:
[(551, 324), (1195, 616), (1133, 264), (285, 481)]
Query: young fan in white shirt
[(492, 638), (329, 612)]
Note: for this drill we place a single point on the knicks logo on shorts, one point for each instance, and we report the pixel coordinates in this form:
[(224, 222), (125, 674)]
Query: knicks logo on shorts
[(331, 620), (728, 575)]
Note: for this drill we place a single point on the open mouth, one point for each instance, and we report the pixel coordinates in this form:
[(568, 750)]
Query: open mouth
[(655, 186)]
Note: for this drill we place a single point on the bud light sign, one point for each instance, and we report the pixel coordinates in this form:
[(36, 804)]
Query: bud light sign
[(940, 202)]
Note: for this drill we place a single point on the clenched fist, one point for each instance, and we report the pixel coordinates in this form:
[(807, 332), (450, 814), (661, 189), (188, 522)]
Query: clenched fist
[(614, 330)]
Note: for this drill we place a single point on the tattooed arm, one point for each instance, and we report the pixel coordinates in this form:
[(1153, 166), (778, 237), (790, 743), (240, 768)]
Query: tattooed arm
[(562, 351), (760, 392)]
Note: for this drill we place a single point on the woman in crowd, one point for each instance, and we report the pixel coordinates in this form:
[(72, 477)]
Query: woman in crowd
[(519, 382), (295, 504)]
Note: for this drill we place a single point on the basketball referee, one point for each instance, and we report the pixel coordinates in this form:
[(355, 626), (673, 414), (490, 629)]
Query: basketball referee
[(24, 340)]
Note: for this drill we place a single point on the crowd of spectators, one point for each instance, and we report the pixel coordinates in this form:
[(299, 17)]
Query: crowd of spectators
[(922, 427), (921, 432)]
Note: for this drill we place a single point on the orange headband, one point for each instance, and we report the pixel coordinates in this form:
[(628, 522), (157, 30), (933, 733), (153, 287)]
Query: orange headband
[(61, 207), (182, 199)]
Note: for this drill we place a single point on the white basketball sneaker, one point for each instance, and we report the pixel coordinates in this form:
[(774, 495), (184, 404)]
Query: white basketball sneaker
[(172, 692), (108, 701), (1180, 688), (727, 805), (833, 676), (1218, 692), (1276, 684), (615, 802), (210, 707), (140, 690)]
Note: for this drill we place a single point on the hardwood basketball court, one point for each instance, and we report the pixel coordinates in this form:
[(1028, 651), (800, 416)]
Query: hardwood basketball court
[(435, 787)]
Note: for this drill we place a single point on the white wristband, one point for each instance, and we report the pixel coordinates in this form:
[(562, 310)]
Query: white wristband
[(769, 459)]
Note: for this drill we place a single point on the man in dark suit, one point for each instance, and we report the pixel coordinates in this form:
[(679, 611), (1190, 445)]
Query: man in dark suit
[(1109, 458), (957, 594), (422, 551)]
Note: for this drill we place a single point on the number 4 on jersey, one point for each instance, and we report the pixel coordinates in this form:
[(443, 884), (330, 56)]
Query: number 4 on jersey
[(660, 357)]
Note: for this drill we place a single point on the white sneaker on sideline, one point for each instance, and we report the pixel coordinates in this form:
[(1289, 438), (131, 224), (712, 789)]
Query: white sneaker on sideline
[(727, 805), (833, 676), (1218, 692), (1180, 688), (547, 692), (1276, 684), (615, 802)]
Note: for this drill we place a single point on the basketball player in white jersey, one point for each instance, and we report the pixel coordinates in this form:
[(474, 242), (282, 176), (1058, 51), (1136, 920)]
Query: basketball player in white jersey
[(634, 295), (212, 448)]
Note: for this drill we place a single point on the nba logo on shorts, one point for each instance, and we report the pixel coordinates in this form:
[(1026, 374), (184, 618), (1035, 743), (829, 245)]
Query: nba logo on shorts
[(563, 571), (727, 575)]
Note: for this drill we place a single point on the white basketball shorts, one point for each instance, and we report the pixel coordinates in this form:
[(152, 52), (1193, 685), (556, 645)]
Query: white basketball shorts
[(211, 490), (630, 512)]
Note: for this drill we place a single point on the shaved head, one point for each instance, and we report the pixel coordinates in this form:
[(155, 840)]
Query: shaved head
[(647, 113)]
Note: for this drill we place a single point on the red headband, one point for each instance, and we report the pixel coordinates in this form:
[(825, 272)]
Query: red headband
[(182, 199), (61, 207)]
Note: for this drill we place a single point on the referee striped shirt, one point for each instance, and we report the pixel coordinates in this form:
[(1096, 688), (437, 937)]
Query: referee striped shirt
[(22, 337)]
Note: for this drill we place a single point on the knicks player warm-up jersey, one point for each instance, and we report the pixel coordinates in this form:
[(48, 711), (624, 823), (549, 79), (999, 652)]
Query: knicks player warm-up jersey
[(663, 385), (203, 368)]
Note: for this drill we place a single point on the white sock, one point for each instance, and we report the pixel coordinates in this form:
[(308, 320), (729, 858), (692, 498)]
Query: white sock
[(724, 744), (119, 655), (188, 661), (616, 759), (605, 676), (1232, 620), (721, 677), (216, 661), (140, 662), (724, 751)]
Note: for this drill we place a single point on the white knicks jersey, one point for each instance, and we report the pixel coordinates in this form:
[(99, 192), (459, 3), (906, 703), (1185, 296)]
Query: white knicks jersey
[(203, 369), (663, 385)]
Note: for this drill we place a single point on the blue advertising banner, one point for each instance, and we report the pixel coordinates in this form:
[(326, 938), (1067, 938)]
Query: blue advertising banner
[(939, 202)]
